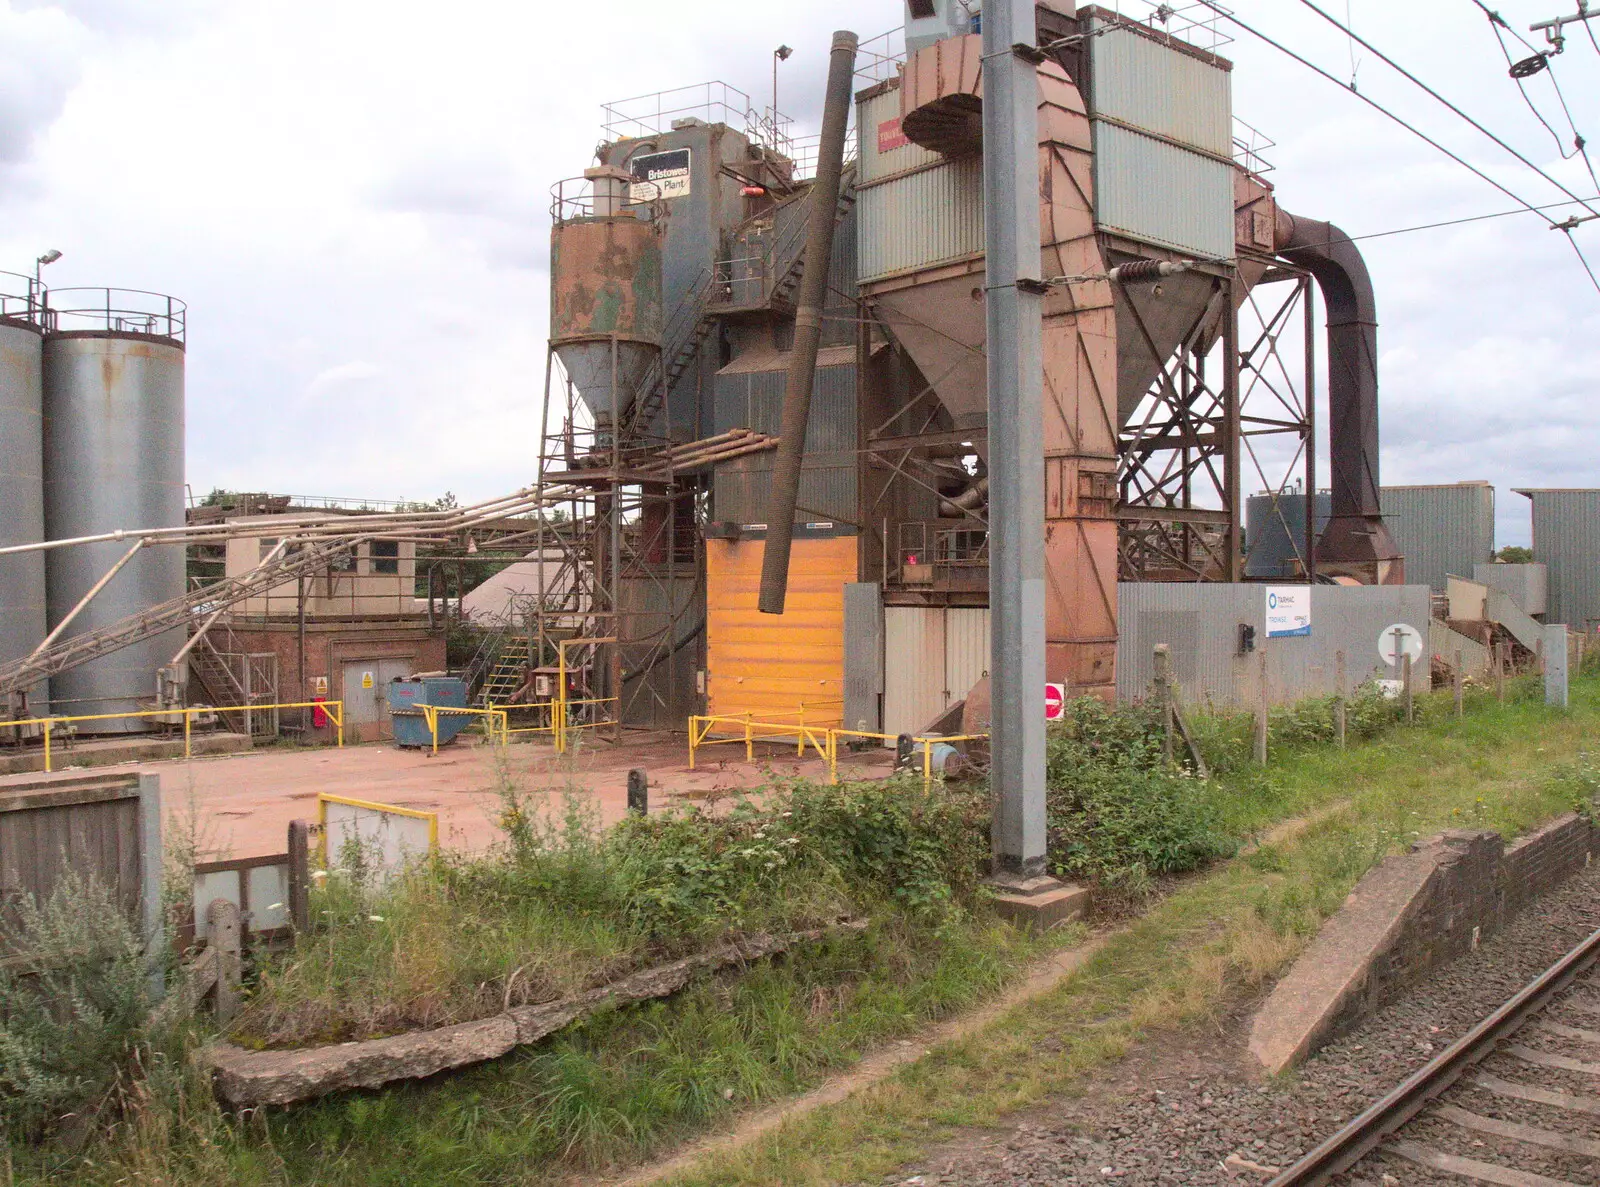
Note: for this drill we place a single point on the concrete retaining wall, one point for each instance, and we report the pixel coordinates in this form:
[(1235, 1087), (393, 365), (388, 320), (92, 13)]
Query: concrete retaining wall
[(1406, 917)]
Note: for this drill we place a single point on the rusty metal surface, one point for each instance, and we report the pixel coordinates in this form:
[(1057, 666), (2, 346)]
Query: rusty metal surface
[(605, 278), (114, 458)]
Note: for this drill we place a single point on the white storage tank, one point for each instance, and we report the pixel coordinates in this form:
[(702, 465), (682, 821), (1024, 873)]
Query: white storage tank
[(113, 458)]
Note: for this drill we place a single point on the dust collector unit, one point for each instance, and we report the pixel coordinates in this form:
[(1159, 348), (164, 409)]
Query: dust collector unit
[(605, 288)]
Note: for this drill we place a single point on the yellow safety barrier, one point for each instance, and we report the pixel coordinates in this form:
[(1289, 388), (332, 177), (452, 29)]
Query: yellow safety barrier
[(334, 710), (494, 722), (700, 728), (562, 724), (324, 799)]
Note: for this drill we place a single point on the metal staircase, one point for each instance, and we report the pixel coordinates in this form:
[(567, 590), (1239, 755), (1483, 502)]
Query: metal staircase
[(216, 676), (507, 675), (696, 315)]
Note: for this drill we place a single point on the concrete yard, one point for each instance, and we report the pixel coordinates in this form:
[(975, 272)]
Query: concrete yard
[(243, 803)]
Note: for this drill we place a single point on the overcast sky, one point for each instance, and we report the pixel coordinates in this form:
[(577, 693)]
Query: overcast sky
[(353, 199)]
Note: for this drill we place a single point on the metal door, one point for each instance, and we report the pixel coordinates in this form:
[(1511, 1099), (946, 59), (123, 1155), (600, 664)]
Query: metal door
[(366, 696)]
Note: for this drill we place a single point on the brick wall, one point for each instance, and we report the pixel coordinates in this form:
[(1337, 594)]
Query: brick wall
[(1476, 887)]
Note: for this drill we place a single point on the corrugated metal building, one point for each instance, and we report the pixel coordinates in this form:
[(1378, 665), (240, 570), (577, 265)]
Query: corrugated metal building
[(1201, 621), (1566, 539), (1441, 529)]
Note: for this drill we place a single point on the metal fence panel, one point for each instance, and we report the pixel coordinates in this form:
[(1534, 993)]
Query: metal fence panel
[(1205, 648)]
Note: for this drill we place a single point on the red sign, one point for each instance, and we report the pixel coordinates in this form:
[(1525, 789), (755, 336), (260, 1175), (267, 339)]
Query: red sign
[(1055, 701), (890, 136)]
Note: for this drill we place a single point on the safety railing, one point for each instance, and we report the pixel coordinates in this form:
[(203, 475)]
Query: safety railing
[(560, 724), (744, 728), (333, 709), (494, 722)]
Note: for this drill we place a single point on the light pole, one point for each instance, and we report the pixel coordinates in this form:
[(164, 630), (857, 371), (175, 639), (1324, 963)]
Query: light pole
[(48, 257), (781, 54)]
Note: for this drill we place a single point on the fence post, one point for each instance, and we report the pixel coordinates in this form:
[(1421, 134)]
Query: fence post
[(1460, 687), (300, 875), (1338, 699), (800, 734), (1261, 712), (223, 917), (749, 750), (1500, 673), (47, 723), (638, 793), (1405, 686), (927, 765), (833, 758), (1163, 667)]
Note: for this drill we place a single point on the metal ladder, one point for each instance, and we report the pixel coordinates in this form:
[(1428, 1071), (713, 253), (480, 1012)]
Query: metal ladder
[(507, 675)]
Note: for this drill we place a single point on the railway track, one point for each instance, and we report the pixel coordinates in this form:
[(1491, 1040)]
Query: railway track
[(1515, 1101)]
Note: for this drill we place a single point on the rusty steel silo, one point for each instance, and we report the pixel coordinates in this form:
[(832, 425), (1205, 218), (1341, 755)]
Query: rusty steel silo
[(22, 584), (113, 459), (605, 289)]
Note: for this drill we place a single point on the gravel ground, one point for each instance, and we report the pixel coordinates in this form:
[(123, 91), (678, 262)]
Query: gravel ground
[(1186, 1109)]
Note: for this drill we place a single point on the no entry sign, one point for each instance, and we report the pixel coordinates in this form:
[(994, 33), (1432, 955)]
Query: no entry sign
[(1055, 701)]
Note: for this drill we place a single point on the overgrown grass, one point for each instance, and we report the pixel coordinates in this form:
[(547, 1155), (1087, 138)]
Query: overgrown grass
[(629, 1083)]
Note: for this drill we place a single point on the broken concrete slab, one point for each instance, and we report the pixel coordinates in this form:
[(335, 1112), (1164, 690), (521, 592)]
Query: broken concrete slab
[(246, 1079)]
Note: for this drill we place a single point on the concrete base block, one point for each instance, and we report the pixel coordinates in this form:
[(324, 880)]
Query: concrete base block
[(1045, 907)]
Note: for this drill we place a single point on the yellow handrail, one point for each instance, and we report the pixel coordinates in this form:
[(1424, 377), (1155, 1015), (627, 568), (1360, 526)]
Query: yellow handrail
[(700, 727), (334, 709)]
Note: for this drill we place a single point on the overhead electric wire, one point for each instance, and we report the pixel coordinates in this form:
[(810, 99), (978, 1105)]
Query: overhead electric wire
[(1497, 23), (1383, 57), (1415, 131)]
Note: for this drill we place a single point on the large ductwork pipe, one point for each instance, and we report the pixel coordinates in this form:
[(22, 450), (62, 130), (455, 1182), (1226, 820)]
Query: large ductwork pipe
[(807, 326), (1355, 540)]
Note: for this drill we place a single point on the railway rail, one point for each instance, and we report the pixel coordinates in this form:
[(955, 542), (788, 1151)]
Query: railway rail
[(1561, 1008)]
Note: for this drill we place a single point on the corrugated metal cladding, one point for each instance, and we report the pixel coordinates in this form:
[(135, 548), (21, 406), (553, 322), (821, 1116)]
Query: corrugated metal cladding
[(1162, 194), (752, 398), (770, 665), (1142, 82), (933, 656), (1200, 622), (1566, 537), (878, 121), (863, 656), (926, 218), (1440, 529)]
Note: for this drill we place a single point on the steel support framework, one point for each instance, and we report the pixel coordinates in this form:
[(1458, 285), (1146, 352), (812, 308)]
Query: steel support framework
[(1234, 404), (619, 521)]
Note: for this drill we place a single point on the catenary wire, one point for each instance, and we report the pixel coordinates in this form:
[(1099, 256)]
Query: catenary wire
[(1500, 26), (1383, 57), (1415, 131)]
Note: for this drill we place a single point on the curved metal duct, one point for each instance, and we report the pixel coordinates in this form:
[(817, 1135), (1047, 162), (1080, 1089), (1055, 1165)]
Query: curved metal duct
[(1355, 538)]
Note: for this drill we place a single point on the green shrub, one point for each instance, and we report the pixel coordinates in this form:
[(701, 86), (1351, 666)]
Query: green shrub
[(73, 1014), (1118, 811)]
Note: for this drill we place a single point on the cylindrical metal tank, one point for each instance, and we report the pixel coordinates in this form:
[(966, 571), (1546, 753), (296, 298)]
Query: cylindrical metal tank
[(1275, 536), (22, 586), (114, 458), (605, 298)]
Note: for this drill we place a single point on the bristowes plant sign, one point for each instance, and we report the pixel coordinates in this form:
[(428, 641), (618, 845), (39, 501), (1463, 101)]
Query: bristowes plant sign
[(1288, 611)]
